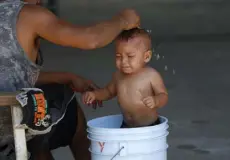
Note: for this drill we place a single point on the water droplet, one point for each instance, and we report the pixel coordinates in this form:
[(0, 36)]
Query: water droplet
[(166, 68), (174, 71), (149, 31), (158, 56)]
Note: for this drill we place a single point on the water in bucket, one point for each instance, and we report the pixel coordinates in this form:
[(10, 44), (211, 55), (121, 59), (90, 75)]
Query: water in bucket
[(110, 142)]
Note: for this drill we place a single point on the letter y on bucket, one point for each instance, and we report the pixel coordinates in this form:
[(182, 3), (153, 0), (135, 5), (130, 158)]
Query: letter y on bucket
[(101, 144)]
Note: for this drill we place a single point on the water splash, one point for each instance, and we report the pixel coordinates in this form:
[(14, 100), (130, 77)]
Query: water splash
[(174, 71), (166, 68), (158, 56), (149, 31)]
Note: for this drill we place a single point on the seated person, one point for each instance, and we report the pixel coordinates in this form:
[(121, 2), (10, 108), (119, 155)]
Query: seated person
[(139, 88)]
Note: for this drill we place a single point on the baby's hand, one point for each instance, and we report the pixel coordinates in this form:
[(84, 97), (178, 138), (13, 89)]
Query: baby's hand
[(88, 97), (150, 102)]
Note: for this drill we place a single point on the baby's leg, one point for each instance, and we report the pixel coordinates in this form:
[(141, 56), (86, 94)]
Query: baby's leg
[(156, 122), (124, 125)]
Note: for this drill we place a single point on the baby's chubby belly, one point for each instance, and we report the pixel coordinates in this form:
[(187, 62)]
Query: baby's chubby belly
[(131, 91), (134, 111)]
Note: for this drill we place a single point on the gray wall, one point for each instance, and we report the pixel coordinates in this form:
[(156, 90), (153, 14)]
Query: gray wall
[(167, 18)]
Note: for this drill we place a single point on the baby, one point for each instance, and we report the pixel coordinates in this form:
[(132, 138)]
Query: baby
[(140, 89)]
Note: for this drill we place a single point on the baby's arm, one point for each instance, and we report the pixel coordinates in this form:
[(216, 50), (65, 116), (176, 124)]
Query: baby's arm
[(108, 92), (103, 94), (161, 94)]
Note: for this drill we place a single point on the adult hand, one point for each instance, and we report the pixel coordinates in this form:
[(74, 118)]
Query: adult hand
[(82, 85), (130, 19)]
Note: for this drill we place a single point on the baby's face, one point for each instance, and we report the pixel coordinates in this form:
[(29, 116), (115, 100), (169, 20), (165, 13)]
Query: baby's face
[(130, 56)]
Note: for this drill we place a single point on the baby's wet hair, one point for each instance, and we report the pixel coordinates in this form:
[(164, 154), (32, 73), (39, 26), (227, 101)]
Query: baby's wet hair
[(127, 35)]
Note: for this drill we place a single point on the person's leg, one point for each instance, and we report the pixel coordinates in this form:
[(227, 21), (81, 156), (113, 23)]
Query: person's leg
[(80, 143), (42, 155), (124, 125), (39, 148)]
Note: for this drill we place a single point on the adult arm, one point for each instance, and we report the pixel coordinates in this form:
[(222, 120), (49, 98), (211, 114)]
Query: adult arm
[(46, 25), (79, 83), (54, 77), (103, 94), (106, 93)]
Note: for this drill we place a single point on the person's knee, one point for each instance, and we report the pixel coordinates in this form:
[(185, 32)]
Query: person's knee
[(80, 143)]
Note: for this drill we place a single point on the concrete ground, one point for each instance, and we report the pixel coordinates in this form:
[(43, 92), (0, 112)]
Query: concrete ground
[(198, 91)]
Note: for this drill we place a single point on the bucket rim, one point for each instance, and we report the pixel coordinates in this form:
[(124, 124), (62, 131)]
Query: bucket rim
[(123, 129), (158, 137)]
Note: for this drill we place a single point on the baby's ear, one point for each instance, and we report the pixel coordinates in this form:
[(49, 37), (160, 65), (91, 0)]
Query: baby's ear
[(148, 56)]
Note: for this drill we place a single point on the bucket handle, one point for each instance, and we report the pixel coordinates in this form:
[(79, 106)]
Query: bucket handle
[(117, 152)]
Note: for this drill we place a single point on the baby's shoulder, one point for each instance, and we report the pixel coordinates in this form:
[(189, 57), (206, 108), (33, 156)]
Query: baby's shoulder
[(153, 75), (150, 71)]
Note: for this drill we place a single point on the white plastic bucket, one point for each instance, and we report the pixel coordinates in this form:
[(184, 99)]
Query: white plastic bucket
[(110, 142)]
